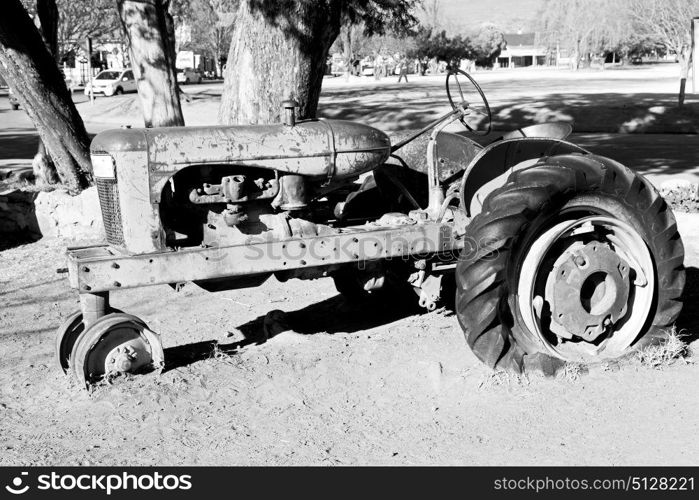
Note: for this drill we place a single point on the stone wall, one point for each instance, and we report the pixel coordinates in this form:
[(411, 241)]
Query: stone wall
[(73, 217), (31, 215)]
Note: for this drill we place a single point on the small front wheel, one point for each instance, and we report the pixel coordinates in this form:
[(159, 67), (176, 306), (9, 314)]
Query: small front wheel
[(66, 336), (114, 344)]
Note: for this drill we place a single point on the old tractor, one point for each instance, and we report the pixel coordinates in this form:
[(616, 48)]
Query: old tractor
[(556, 252)]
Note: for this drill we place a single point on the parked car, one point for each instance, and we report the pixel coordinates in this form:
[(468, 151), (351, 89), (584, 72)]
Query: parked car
[(14, 102), (188, 75), (367, 70), (110, 82)]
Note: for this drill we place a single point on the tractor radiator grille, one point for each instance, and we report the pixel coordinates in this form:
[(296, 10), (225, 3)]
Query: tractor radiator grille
[(108, 192)]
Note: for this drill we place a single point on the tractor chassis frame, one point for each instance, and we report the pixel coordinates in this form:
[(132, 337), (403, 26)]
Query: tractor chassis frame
[(96, 270)]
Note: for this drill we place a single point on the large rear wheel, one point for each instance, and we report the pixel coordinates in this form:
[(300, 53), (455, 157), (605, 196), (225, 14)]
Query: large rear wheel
[(575, 258)]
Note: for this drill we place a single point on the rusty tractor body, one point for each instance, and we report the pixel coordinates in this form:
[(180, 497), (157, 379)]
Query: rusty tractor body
[(227, 207)]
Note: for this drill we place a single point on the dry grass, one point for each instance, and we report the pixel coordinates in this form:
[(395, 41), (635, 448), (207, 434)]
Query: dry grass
[(502, 378), (666, 353), (572, 372), (218, 354)]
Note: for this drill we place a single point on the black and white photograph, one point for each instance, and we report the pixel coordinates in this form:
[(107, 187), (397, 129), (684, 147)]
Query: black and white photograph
[(349, 234)]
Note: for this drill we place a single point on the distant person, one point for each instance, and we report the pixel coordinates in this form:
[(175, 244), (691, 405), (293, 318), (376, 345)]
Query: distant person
[(403, 69), (355, 66)]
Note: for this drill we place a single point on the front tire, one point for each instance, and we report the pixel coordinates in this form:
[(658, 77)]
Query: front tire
[(116, 343), (587, 216)]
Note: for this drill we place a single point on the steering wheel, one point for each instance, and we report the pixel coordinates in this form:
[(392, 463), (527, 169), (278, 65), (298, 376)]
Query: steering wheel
[(464, 105)]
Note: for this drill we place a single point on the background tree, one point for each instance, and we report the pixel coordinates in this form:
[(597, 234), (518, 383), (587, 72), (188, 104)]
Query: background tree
[(443, 47), (669, 23), (357, 39), (429, 14), (31, 70), (575, 26), (80, 19), (211, 24), (351, 41), (488, 45), (388, 44), (149, 30), (279, 49)]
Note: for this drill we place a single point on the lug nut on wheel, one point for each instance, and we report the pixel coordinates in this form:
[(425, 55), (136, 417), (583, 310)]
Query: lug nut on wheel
[(124, 362)]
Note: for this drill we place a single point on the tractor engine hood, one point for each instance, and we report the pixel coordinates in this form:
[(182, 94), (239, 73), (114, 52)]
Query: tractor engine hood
[(314, 148)]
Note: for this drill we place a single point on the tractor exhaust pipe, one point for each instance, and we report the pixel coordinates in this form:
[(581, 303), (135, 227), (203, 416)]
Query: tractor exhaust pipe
[(290, 106)]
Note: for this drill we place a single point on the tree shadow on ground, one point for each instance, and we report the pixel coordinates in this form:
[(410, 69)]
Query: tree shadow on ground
[(21, 145), (13, 240), (333, 315), (203, 95), (608, 112), (337, 315), (614, 122), (588, 112), (655, 154), (18, 145)]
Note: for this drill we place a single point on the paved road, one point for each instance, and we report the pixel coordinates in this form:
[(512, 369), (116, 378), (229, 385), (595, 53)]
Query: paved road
[(658, 155)]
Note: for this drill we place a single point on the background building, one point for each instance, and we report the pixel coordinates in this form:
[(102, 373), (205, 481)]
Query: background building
[(522, 50)]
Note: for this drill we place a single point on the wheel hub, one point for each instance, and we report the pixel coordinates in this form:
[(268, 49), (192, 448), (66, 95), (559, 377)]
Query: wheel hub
[(587, 290), (127, 357)]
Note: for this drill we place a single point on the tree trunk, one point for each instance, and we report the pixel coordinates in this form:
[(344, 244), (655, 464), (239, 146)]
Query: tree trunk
[(685, 57), (31, 71), (278, 50), (146, 25), (680, 97), (48, 18), (47, 11), (347, 49)]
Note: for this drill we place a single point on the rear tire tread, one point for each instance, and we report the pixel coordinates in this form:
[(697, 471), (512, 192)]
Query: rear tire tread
[(482, 290)]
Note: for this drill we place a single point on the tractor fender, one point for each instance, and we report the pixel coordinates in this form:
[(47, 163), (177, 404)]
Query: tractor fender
[(491, 167), (452, 152)]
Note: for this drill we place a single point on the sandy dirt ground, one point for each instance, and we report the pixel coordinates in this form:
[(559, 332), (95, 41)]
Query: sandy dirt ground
[(375, 384), (345, 384)]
